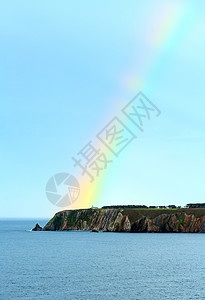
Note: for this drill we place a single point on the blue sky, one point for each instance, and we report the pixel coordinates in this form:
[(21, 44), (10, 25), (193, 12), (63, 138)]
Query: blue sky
[(68, 67)]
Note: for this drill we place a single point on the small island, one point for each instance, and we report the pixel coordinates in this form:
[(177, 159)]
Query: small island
[(130, 218)]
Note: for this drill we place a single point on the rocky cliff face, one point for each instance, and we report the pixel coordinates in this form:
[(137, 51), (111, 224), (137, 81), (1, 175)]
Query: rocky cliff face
[(90, 219), (132, 220)]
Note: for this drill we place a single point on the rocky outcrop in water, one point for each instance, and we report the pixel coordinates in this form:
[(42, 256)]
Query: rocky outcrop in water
[(37, 228), (128, 220)]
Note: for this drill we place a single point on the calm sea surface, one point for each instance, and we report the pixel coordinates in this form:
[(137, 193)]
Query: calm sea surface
[(84, 265)]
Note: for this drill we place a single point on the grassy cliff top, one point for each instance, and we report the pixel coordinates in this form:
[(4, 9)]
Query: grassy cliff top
[(137, 213)]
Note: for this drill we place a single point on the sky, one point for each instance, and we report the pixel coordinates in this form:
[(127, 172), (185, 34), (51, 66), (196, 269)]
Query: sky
[(68, 68)]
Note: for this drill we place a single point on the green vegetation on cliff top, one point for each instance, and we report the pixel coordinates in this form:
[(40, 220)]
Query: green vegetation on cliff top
[(132, 213)]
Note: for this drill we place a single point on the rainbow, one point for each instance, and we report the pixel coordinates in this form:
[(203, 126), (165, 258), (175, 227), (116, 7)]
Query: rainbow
[(172, 20)]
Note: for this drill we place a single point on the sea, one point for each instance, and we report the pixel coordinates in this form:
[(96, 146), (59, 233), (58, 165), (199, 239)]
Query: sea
[(87, 265)]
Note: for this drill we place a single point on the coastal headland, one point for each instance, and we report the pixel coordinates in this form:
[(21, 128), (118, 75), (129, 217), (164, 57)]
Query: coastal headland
[(126, 219)]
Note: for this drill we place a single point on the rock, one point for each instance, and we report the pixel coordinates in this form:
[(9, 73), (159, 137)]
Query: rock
[(37, 228), (94, 230)]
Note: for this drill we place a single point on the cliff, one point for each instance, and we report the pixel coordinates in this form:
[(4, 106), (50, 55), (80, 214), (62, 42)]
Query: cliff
[(129, 220)]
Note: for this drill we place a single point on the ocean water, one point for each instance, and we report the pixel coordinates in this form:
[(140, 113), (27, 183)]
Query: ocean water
[(85, 265)]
